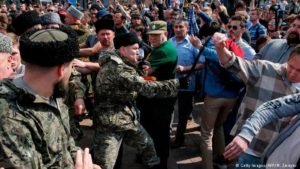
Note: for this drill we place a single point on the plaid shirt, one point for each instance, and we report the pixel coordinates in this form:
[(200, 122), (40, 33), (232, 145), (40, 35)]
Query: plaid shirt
[(265, 81), (193, 27)]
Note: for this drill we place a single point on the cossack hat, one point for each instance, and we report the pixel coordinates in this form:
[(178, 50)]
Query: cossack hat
[(104, 24), (49, 47), (157, 27), (125, 39), (50, 18), (75, 12), (25, 21)]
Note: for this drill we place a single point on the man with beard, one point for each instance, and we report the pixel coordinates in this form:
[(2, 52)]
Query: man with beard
[(34, 121), (278, 50), (265, 81)]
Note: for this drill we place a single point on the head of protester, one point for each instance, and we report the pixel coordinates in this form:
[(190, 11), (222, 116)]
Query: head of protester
[(293, 64), (26, 21), (293, 33), (51, 20), (73, 16), (105, 30), (6, 49), (128, 46), (157, 33), (49, 49)]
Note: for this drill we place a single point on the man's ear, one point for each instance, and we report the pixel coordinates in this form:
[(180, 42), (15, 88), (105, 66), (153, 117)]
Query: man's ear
[(121, 49), (61, 70)]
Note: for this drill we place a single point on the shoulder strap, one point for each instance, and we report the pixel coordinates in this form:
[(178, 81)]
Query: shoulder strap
[(198, 56)]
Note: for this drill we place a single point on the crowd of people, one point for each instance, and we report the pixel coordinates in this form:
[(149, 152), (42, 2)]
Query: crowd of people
[(126, 65)]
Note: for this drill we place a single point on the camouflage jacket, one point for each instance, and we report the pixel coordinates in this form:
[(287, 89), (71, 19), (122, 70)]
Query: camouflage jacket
[(34, 133), (117, 86), (82, 32)]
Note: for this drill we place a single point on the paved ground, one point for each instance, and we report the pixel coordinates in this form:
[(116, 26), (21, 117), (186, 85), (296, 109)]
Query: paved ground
[(187, 157)]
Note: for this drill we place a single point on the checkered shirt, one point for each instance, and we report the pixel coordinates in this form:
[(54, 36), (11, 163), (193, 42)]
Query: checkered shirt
[(265, 81)]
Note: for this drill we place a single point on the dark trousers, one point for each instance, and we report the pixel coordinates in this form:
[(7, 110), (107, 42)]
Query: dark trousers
[(185, 108), (156, 116)]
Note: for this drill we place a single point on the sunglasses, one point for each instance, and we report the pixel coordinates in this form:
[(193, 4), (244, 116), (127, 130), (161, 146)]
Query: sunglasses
[(50, 10), (233, 27)]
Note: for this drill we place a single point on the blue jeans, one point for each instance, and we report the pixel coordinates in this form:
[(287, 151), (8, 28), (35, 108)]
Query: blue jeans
[(249, 161)]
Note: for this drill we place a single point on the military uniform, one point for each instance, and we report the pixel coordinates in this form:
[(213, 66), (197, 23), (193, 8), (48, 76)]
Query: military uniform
[(34, 131), (82, 32), (116, 116), (76, 91)]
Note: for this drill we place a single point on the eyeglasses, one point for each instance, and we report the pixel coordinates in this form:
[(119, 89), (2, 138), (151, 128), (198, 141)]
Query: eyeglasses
[(234, 27)]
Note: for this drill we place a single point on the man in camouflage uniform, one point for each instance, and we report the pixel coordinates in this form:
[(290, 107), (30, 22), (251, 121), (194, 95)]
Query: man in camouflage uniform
[(34, 121), (116, 117), (73, 19)]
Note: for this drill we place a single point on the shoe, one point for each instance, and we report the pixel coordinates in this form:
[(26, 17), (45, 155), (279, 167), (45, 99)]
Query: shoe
[(177, 144)]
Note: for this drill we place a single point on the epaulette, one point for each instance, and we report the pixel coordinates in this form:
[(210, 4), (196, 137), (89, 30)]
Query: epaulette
[(116, 59)]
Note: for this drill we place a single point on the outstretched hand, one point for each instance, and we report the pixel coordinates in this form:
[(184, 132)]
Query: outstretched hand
[(234, 149), (195, 41)]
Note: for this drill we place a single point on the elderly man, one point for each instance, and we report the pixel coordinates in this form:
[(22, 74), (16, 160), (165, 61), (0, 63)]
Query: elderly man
[(116, 118), (32, 105), (73, 19), (163, 64), (6, 49)]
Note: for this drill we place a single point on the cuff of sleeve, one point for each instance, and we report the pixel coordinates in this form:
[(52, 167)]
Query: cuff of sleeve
[(246, 134), (231, 61)]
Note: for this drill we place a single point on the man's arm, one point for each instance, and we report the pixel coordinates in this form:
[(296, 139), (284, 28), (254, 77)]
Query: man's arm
[(85, 52), (264, 114), (85, 67)]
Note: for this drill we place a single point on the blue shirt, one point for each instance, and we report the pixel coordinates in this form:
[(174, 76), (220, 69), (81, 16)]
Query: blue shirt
[(186, 56), (256, 31), (249, 52), (213, 85)]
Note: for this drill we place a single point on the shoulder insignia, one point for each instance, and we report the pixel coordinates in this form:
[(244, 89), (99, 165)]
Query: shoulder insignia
[(116, 59)]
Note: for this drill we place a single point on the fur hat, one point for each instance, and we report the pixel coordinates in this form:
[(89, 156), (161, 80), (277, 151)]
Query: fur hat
[(125, 39), (25, 21), (75, 12), (104, 24), (49, 47), (50, 18), (5, 44)]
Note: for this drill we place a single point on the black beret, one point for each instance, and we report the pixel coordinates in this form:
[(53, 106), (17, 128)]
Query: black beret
[(49, 47), (125, 39), (25, 21), (104, 24)]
